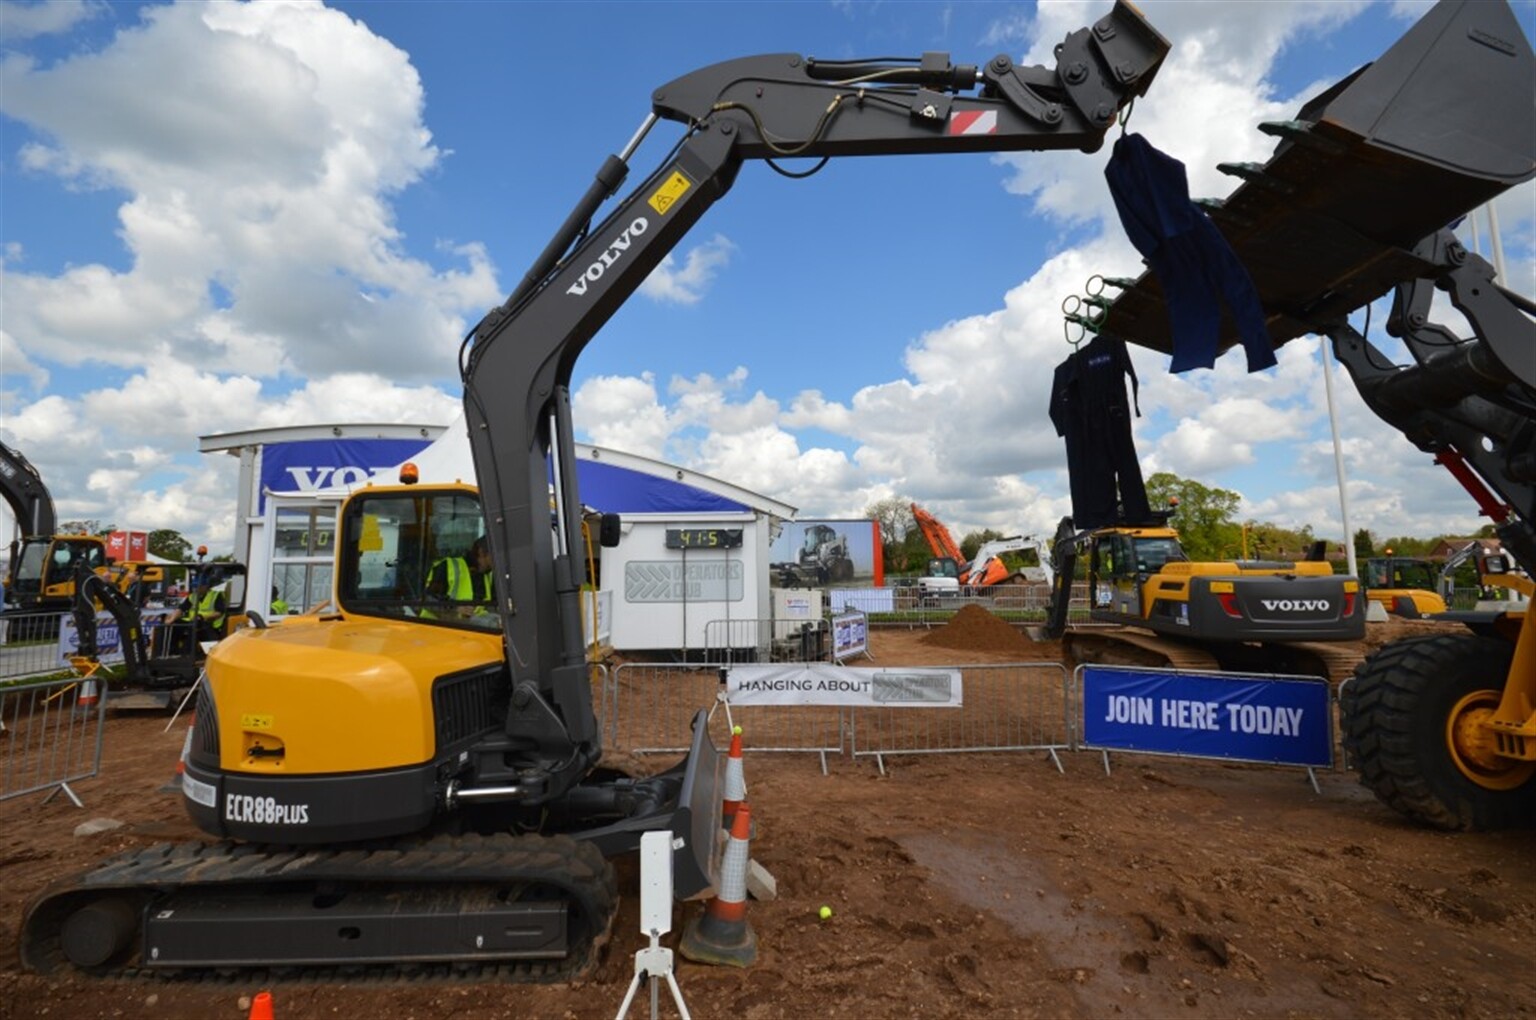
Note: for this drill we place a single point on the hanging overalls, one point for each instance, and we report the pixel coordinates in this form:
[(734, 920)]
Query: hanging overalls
[(1194, 264), (1089, 409)]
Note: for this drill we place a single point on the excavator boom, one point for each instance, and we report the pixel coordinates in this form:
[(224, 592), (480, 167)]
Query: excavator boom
[(517, 366)]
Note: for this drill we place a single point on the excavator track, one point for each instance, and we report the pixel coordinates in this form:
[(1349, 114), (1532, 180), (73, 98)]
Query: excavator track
[(566, 883), (1131, 646)]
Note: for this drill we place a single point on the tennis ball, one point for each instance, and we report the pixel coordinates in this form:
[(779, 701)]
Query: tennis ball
[(825, 912), (735, 731)]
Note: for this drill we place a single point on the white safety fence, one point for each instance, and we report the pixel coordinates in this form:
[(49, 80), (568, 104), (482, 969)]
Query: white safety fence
[(29, 644), (651, 707), (52, 736)]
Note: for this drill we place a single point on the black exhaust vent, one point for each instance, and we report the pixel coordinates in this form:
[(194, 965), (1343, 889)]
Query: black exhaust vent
[(468, 705), (205, 730)]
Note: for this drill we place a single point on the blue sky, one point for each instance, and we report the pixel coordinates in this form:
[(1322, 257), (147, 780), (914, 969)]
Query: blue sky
[(228, 216)]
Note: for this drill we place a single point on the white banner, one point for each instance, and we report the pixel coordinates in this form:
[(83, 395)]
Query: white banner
[(821, 683)]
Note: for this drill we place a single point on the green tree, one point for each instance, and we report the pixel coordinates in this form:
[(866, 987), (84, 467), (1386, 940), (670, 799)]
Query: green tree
[(894, 515), (169, 545), (1205, 517), (897, 528), (1365, 545), (974, 540), (88, 527), (1405, 545)]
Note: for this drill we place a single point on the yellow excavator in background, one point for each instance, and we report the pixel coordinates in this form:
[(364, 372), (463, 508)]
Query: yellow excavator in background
[(44, 565), (1405, 587), (1270, 615)]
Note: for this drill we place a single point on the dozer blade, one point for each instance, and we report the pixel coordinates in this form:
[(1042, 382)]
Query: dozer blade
[(1440, 124)]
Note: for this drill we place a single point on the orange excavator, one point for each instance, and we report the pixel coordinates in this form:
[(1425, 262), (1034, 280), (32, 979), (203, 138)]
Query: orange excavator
[(949, 570)]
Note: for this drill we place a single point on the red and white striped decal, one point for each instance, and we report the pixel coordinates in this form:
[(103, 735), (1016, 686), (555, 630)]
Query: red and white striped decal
[(973, 122)]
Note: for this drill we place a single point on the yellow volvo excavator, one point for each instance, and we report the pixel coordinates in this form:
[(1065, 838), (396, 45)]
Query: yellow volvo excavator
[(1277, 616), (413, 781), (409, 783)]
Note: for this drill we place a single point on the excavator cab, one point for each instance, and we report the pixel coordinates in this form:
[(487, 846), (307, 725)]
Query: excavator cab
[(45, 569), (410, 554), (1121, 561), (1403, 586)]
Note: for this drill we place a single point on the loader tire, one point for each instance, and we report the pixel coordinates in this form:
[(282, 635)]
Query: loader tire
[(1410, 720)]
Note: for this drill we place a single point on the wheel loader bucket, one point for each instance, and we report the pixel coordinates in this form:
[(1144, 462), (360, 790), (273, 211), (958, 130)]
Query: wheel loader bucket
[(1443, 122)]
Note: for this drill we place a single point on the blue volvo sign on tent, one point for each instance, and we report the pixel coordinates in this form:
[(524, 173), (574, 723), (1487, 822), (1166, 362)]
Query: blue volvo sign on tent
[(310, 465)]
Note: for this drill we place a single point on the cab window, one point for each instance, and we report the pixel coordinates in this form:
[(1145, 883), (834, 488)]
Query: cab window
[(409, 556)]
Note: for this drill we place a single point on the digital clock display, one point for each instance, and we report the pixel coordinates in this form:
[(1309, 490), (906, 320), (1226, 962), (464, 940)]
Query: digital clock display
[(703, 538)]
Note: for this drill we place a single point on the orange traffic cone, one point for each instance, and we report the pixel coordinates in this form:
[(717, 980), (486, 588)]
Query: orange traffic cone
[(735, 780), (174, 785), (261, 1006), (89, 694), (721, 935)]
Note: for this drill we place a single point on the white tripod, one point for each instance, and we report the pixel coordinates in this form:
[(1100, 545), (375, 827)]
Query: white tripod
[(655, 921)]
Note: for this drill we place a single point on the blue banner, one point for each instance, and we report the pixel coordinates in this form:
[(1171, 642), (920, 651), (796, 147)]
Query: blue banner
[(312, 464), (1241, 718)]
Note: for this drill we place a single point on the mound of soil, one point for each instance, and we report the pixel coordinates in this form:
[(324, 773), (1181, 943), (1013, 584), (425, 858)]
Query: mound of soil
[(975, 629)]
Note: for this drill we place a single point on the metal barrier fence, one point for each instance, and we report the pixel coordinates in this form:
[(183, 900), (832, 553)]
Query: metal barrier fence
[(51, 733), (903, 605), (1025, 706), (654, 703), (29, 644), (1017, 707), (736, 640)]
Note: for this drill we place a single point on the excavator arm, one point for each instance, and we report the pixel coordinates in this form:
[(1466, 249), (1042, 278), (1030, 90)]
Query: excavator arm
[(940, 542), (518, 362), (25, 494), (31, 504)]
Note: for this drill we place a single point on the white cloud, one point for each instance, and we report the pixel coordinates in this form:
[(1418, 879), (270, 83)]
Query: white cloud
[(685, 283), (263, 282), (622, 412), (273, 197), (19, 21), (128, 454)]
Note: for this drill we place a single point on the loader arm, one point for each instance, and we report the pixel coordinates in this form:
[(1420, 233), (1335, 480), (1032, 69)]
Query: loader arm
[(1438, 125), (518, 362), (1352, 206)]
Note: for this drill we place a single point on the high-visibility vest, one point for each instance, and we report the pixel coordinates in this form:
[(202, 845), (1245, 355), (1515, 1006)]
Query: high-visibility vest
[(211, 609), (279, 607), (456, 583)]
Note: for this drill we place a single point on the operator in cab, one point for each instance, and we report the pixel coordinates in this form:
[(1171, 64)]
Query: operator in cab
[(465, 582), (206, 608)]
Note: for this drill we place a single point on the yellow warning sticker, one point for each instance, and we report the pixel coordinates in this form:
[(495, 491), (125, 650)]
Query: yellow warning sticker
[(256, 722), (669, 192)]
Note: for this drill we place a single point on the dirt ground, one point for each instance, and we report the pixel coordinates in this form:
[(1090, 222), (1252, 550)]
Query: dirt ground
[(961, 886)]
